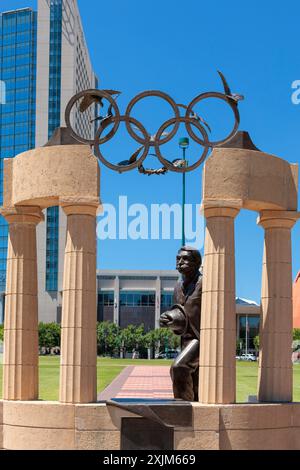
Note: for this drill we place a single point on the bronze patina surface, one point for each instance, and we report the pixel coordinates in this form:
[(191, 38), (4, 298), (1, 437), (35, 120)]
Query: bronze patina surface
[(184, 320), (196, 127)]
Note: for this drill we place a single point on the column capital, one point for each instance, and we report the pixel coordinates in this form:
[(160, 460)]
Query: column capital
[(278, 219), (79, 208), (221, 208), (22, 214), (210, 211)]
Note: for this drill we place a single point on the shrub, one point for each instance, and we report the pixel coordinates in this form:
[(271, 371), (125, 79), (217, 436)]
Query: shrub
[(256, 343), (108, 338), (49, 336), (296, 334), (111, 339)]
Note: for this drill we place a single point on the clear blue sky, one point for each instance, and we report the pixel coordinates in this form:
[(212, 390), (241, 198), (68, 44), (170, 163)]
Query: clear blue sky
[(177, 47)]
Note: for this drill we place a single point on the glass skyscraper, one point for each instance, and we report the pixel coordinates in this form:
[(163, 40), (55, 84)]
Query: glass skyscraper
[(17, 114), (44, 60), (55, 41)]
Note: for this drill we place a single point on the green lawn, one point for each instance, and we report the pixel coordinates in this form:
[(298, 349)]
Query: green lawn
[(247, 380), (108, 369)]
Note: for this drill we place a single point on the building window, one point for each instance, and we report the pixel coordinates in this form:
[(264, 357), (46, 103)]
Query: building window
[(248, 329), (106, 299), (137, 299), (167, 300), (52, 249)]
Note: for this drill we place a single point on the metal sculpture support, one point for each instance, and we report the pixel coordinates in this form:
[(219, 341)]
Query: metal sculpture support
[(87, 98)]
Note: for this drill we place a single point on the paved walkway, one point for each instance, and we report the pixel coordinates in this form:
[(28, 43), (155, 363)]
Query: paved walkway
[(140, 382)]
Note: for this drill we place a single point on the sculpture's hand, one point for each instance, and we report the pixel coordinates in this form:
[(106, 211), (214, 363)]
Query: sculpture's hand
[(164, 320), (173, 319)]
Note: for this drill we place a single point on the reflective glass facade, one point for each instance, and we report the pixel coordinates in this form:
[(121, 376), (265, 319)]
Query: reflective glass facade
[(55, 65), (106, 299), (52, 248), (248, 328), (54, 122), (167, 300), (17, 114), (137, 299)]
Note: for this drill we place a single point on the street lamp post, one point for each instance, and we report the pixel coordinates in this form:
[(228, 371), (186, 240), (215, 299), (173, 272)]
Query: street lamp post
[(184, 144)]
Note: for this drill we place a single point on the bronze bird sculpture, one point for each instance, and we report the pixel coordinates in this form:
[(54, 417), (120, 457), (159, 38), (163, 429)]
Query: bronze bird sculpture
[(90, 99), (196, 116), (135, 155), (132, 159), (232, 96)]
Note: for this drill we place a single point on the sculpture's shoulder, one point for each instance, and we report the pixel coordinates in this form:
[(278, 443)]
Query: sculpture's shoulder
[(178, 293), (197, 291), (199, 283), (178, 286)]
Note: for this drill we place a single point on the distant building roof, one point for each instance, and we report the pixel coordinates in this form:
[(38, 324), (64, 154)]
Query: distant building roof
[(138, 273), (240, 301)]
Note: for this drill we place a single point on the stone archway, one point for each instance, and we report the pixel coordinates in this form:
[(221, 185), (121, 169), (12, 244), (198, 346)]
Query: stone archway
[(66, 176), (235, 179)]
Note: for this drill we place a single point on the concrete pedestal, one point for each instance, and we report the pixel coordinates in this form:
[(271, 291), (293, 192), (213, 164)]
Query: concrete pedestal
[(56, 426)]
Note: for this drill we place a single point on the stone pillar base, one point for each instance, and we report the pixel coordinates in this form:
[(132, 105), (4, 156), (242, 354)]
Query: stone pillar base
[(56, 426)]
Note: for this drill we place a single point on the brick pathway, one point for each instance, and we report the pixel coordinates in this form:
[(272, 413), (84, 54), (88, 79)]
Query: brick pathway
[(140, 382)]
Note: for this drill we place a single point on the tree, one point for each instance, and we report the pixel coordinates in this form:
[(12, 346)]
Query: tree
[(256, 343), (296, 334), (1, 332), (296, 345), (132, 338), (108, 338), (150, 339), (165, 339), (49, 335), (111, 339)]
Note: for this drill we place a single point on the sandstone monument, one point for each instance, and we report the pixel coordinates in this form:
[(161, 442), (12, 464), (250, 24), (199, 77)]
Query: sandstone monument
[(236, 176)]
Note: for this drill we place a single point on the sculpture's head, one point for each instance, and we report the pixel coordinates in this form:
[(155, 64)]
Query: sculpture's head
[(188, 261)]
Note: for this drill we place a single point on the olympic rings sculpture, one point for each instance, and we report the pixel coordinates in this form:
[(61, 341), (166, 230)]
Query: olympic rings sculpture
[(83, 100)]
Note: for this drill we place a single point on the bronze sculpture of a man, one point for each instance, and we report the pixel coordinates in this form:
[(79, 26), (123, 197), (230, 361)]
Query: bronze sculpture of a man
[(184, 320)]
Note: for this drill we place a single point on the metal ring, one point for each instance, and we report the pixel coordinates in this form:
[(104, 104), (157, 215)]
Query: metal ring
[(222, 97), (100, 94), (146, 94), (168, 164), (97, 143)]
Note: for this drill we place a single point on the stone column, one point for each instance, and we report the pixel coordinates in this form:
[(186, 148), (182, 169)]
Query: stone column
[(21, 353), (218, 317), (275, 380), (78, 369)]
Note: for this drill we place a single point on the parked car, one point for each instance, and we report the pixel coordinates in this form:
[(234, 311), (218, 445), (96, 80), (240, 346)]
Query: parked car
[(171, 354), (160, 356), (247, 357)]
